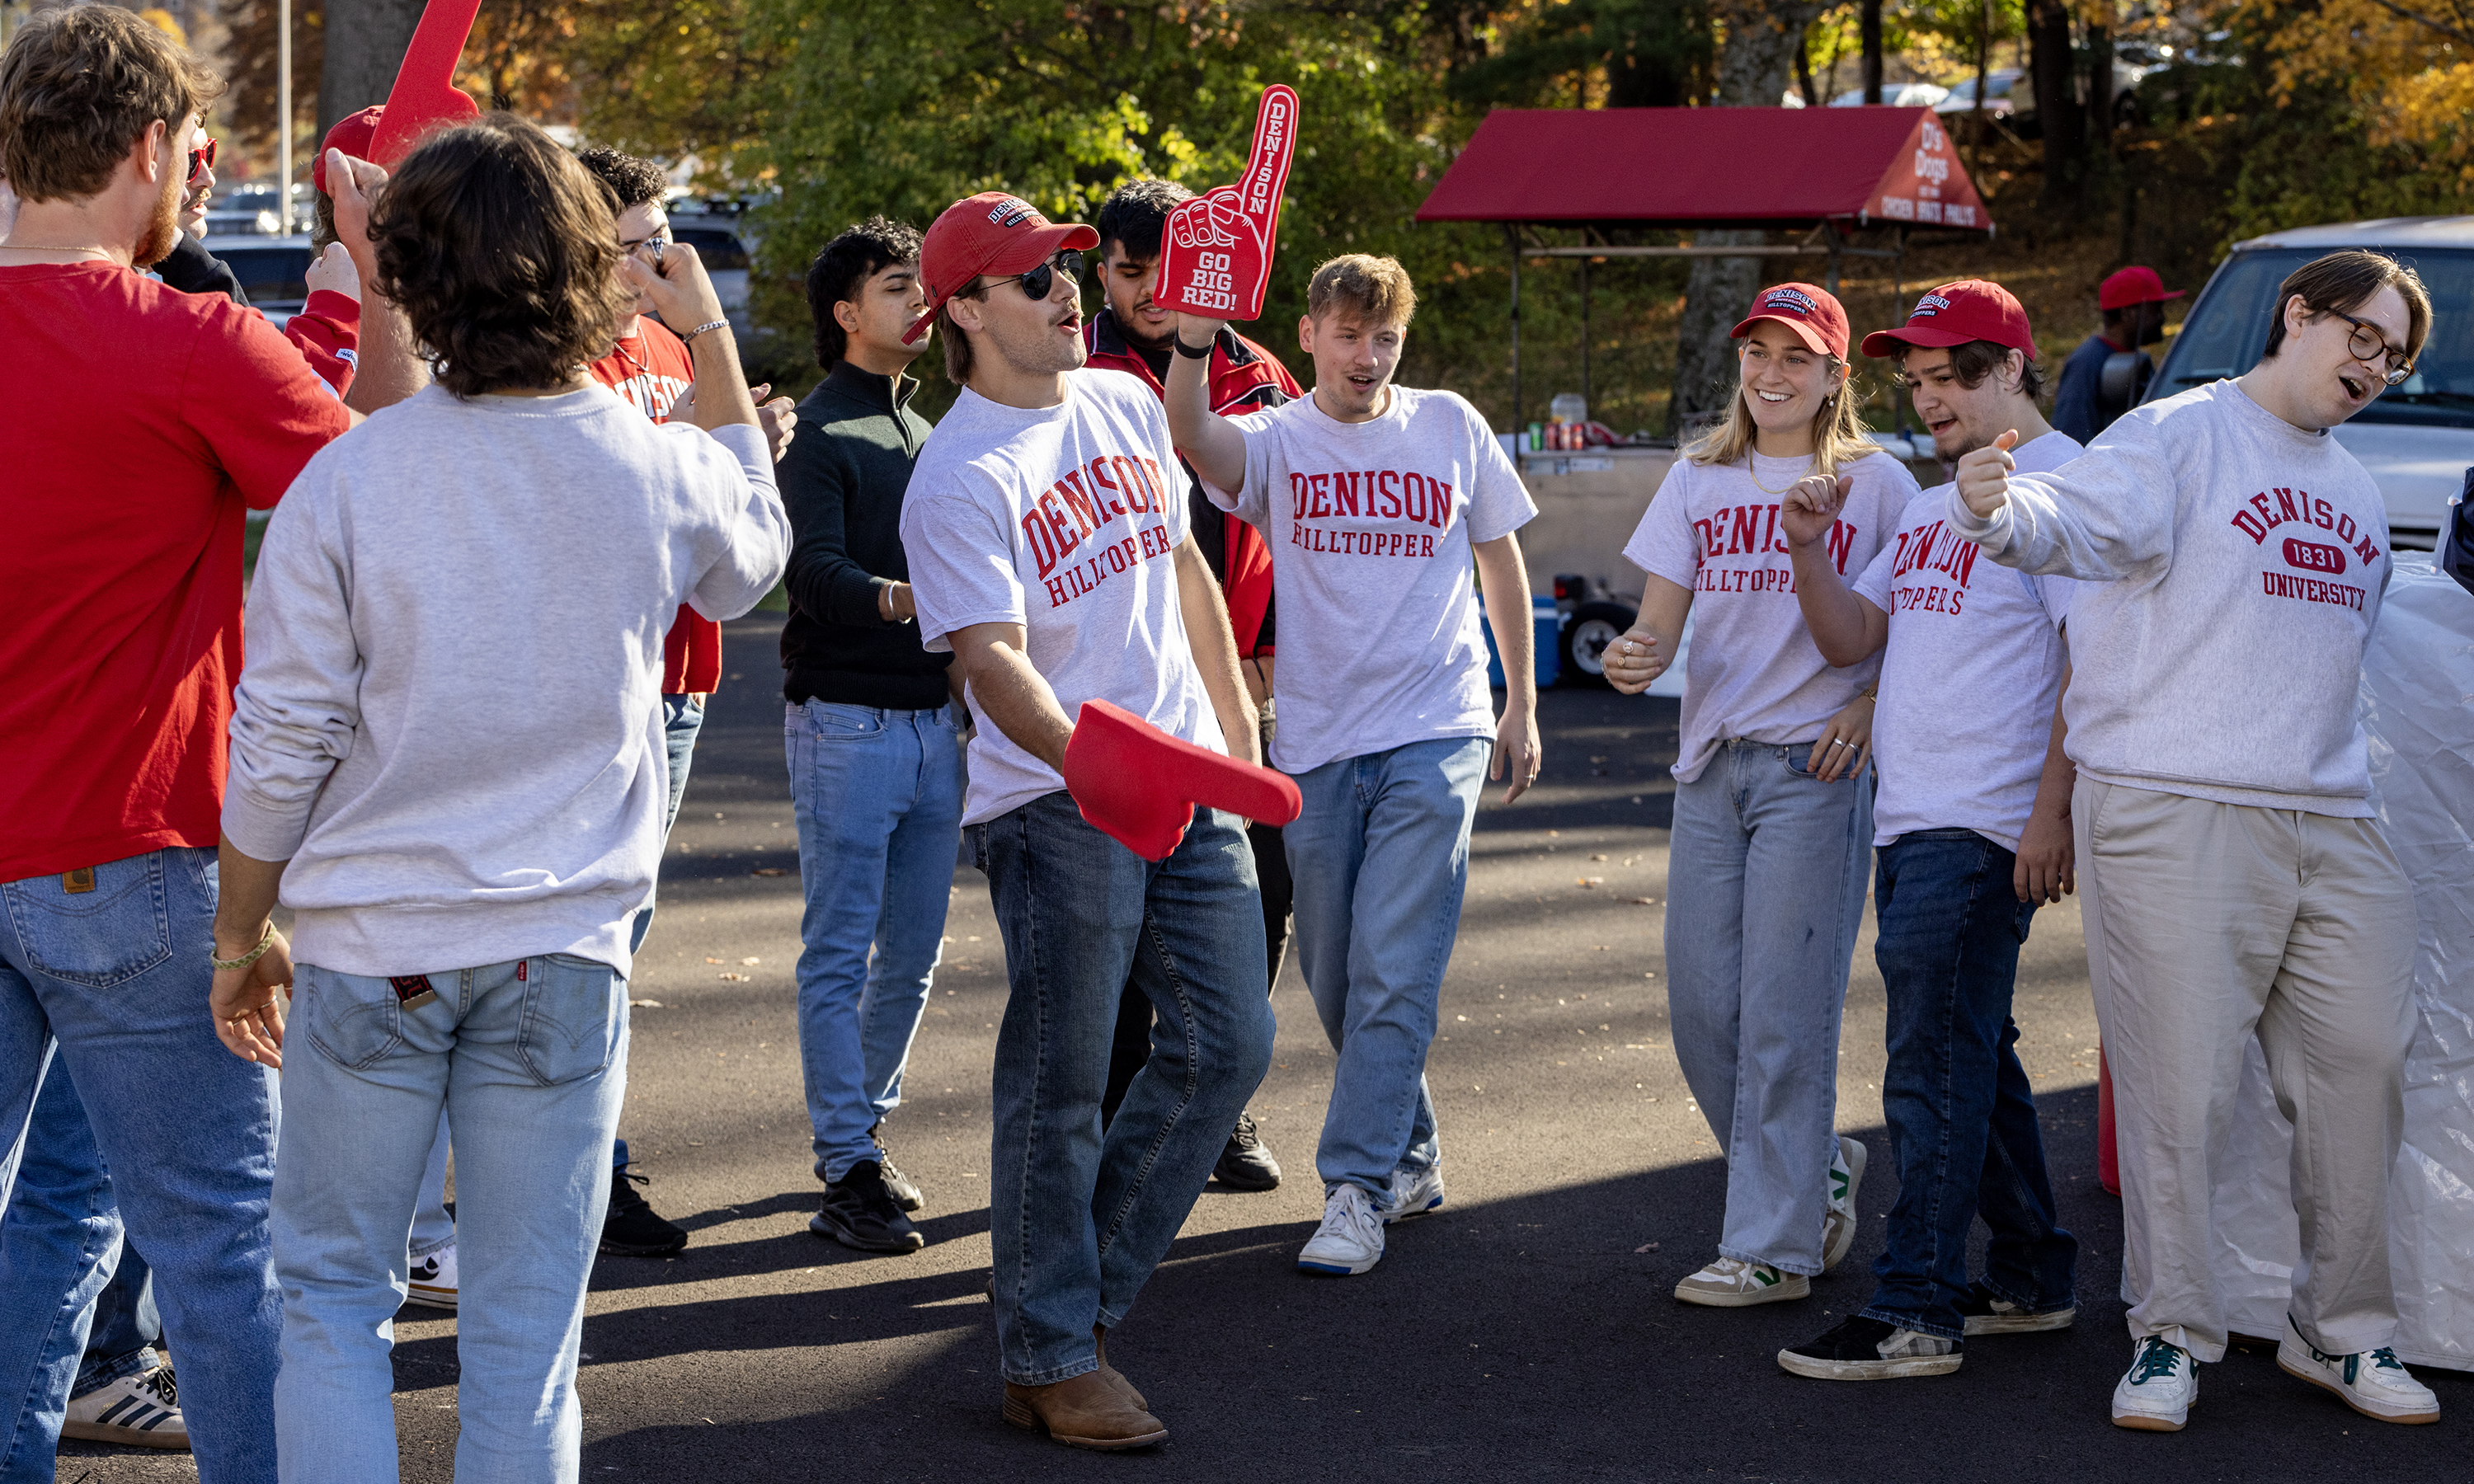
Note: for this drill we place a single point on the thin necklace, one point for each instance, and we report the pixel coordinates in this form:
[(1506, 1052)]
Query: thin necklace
[(1751, 454)]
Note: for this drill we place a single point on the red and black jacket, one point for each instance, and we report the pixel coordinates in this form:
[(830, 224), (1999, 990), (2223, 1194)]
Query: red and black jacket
[(1244, 379)]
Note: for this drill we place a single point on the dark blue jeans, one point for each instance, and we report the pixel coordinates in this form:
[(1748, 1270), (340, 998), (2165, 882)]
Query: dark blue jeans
[(1962, 1119), (1078, 1219)]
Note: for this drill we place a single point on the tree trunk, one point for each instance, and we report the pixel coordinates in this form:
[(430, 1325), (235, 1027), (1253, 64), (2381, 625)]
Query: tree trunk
[(2099, 28), (2057, 102), (1804, 76), (1868, 25), (1754, 70), (365, 45)]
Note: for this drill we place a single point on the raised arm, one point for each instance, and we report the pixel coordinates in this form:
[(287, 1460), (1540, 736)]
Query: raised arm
[(995, 663), (2102, 516), (1845, 628), (1216, 450), (1214, 644), (390, 368)]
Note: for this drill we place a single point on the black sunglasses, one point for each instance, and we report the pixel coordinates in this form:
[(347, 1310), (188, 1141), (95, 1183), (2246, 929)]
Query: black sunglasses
[(1037, 282)]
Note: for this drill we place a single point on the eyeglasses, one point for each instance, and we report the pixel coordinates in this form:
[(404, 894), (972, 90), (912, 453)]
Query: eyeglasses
[(2367, 344), (201, 158), (1037, 282), (659, 241)]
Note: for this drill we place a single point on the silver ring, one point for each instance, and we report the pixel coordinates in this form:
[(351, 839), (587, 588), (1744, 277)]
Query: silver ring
[(1838, 742)]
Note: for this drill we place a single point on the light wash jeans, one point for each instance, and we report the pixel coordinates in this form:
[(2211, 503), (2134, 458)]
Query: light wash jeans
[(878, 795), (1078, 1219), (1380, 858), (1764, 893), (530, 1057), (107, 989)]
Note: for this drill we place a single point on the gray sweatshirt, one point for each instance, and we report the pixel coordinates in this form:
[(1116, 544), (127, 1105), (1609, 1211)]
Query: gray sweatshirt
[(2236, 564), (450, 719)]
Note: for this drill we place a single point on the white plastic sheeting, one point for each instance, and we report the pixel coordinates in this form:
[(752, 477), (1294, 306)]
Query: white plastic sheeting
[(2417, 702)]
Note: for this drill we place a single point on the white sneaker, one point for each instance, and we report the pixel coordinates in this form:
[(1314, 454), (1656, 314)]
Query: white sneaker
[(1838, 1224), (1414, 1193), (1731, 1283), (141, 1411), (2160, 1388), (1350, 1239), (2373, 1383), (433, 1279)]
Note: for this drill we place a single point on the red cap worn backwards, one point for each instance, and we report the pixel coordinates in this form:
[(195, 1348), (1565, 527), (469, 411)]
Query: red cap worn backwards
[(350, 135), (1955, 314), (1815, 313), (991, 233), (2133, 286)]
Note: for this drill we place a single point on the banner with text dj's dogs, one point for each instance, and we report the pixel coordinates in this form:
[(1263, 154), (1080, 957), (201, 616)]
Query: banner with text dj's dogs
[(1925, 183), (1216, 250)]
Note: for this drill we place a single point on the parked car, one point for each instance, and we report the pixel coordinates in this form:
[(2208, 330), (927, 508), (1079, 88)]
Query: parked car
[(274, 272), (1902, 95), (2417, 439), (1999, 86)]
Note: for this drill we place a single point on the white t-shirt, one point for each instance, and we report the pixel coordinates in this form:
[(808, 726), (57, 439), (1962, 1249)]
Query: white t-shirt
[(1371, 526), (1752, 672), (1064, 520), (1970, 674)]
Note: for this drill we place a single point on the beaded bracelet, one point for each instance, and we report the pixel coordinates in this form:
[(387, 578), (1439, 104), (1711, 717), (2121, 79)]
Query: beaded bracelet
[(227, 965)]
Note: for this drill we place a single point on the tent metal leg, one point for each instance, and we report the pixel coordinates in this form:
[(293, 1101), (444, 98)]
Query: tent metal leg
[(1513, 235)]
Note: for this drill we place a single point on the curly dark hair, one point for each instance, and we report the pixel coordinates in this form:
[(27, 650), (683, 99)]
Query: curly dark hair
[(1135, 214), (1972, 361), (846, 263), (501, 251), (636, 181)]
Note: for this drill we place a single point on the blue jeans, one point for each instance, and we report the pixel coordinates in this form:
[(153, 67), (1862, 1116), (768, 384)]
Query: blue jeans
[(682, 719), (1380, 860), (126, 1325), (108, 990), (1764, 893), (1962, 1119), (878, 795), (531, 1057), (1078, 1219)]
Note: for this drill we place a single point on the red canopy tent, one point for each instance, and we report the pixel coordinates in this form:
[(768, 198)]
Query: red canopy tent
[(1829, 171)]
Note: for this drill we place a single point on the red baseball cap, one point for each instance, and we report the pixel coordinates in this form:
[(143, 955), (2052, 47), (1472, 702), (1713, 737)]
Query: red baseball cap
[(1815, 313), (350, 135), (1955, 314), (993, 233), (2133, 286)]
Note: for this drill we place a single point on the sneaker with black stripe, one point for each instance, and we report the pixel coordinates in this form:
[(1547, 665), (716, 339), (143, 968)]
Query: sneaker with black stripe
[(1871, 1349), (137, 1411)]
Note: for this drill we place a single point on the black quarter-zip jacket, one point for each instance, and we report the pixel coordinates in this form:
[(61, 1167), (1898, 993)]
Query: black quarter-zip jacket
[(842, 481)]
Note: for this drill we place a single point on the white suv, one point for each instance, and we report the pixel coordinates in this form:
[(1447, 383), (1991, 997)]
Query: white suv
[(2417, 440)]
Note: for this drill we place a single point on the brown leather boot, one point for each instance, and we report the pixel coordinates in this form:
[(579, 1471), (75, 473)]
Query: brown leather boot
[(1084, 1412), (1116, 1377)]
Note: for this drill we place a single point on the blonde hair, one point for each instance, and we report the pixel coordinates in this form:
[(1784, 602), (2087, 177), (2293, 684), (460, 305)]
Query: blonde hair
[(1838, 435), (1376, 288)]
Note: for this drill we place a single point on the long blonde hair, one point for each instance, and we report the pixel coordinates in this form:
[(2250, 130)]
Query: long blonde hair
[(1838, 435)]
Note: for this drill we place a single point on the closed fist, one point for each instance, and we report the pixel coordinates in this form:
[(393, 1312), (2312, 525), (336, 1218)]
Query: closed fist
[(1984, 475), (1632, 661)]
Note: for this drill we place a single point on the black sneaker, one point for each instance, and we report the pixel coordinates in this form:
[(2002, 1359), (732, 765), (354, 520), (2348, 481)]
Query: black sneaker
[(631, 1228), (1246, 1164), (1867, 1350), (904, 1190), (1989, 1314), (859, 1211)]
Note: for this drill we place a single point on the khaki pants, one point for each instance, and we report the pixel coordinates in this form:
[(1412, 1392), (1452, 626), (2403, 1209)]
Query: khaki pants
[(2208, 921)]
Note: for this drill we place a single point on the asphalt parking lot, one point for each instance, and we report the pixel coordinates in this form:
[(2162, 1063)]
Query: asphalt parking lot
[(1525, 1330)]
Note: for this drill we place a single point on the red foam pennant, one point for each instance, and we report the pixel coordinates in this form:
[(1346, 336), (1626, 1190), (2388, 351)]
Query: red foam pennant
[(1216, 250), (426, 97), (1138, 785)]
